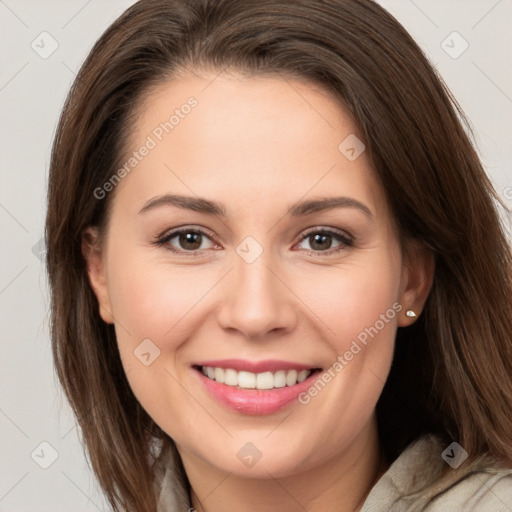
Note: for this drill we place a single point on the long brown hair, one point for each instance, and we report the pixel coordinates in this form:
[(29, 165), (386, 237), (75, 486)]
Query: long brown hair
[(452, 369)]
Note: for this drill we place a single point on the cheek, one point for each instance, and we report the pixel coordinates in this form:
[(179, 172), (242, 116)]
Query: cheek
[(354, 297), (361, 308), (359, 305), (151, 299), (150, 305)]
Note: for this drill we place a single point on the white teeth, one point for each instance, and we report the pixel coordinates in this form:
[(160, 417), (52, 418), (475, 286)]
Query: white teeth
[(219, 375), (280, 379), (265, 380), (303, 375), (246, 380), (231, 377), (249, 380), (291, 377)]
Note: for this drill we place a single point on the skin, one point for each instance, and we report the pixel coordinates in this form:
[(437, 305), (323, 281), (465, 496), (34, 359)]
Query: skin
[(257, 145)]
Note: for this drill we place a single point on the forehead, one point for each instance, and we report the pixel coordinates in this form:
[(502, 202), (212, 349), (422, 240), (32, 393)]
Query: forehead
[(245, 138)]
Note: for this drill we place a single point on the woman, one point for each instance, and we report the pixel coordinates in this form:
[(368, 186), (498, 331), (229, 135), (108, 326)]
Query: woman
[(338, 334)]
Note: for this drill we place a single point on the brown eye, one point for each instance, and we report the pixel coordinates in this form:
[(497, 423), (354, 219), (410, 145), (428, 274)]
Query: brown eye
[(186, 241), (190, 240), (322, 241)]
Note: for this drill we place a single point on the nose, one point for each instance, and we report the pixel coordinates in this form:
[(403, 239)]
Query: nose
[(257, 300)]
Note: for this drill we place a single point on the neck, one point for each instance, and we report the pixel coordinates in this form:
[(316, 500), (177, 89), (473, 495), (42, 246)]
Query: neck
[(341, 483)]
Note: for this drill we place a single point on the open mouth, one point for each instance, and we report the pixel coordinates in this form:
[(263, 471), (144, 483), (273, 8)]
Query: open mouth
[(260, 381)]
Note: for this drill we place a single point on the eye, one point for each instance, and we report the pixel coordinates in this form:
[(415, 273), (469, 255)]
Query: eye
[(321, 241), (188, 240)]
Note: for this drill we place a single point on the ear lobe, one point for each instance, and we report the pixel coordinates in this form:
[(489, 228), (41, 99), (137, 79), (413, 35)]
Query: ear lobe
[(95, 263), (417, 279)]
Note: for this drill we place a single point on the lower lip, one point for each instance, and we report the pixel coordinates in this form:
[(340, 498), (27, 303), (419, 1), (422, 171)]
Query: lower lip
[(255, 402)]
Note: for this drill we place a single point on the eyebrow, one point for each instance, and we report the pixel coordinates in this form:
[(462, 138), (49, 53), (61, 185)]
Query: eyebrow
[(201, 205)]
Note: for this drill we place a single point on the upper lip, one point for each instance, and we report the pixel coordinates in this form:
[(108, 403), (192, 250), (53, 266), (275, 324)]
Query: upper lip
[(269, 365)]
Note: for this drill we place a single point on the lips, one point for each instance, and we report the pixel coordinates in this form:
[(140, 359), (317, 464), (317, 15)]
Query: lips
[(255, 388)]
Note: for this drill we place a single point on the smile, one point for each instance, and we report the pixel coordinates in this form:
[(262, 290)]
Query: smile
[(254, 388), (250, 380)]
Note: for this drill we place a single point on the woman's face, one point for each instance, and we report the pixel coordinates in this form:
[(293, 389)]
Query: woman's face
[(287, 263)]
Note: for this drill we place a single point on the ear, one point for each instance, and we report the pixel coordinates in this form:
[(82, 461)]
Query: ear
[(417, 279), (95, 262)]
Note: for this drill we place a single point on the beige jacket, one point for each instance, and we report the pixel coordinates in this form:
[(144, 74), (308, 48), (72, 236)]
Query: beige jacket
[(407, 486)]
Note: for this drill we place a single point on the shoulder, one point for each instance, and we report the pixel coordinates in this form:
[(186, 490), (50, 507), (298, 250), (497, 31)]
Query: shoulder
[(484, 490), (421, 480)]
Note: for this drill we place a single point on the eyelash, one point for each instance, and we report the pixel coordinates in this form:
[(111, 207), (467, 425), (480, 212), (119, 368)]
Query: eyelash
[(346, 241)]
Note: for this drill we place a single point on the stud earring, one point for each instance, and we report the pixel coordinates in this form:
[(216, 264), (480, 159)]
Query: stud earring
[(410, 313)]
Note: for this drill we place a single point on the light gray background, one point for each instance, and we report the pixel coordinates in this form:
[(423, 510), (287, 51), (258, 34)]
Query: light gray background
[(32, 92)]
